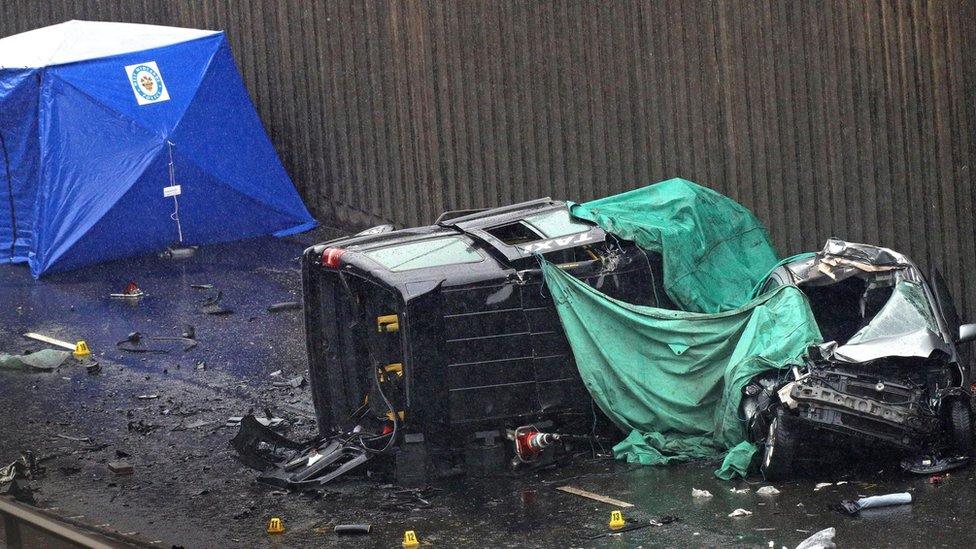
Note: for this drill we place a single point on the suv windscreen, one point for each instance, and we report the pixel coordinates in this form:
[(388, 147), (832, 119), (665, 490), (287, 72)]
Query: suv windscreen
[(435, 252), (905, 312)]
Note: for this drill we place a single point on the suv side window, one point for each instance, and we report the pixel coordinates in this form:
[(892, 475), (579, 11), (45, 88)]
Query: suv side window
[(556, 223)]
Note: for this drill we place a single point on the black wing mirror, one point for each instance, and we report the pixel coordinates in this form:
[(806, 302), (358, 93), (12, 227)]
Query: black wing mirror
[(967, 333)]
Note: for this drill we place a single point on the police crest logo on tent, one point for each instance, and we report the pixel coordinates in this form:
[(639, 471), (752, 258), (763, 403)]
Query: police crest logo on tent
[(147, 83)]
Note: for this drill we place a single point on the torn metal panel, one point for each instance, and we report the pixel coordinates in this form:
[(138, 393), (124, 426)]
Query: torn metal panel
[(920, 344), (839, 260), (291, 464)]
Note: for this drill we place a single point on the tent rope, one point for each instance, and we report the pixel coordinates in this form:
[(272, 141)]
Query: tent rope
[(175, 216)]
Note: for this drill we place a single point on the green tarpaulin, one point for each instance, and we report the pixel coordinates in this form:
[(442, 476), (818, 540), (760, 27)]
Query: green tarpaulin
[(674, 379), (714, 249)]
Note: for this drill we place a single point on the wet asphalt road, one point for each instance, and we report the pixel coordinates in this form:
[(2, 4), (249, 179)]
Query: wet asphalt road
[(189, 490)]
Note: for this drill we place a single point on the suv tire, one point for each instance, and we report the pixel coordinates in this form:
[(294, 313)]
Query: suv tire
[(961, 426), (778, 450)]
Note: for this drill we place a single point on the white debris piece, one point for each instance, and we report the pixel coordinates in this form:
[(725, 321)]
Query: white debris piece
[(740, 513), (823, 539), (696, 493), (738, 490), (767, 491), (235, 421), (822, 485)]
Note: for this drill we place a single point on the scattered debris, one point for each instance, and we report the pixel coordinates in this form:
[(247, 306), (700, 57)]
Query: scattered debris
[(93, 367), (246, 512), (14, 477), (257, 446), (767, 491), (853, 507), (23, 467), (76, 439), (131, 291), (665, 519), (202, 286), (51, 341), (133, 342), (404, 498), (120, 467), (44, 360), (821, 485), (823, 539), (739, 490), (193, 425), (352, 529), (275, 373), (596, 497), (212, 306), (696, 493), (740, 513), (148, 397), (273, 423), (68, 470), (201, 365), (623, 530), (285, 306), (293, 383), (929, 465), (141, 427)]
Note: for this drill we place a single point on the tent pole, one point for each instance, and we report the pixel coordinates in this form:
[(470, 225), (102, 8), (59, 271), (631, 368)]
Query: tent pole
[(10, 197)]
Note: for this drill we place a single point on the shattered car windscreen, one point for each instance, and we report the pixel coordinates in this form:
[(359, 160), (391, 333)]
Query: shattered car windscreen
[(557, 223), (427, 253), (905, 312)]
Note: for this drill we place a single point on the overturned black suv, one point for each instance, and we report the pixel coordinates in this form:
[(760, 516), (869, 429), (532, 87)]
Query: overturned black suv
[(447, 331), (892, 372)]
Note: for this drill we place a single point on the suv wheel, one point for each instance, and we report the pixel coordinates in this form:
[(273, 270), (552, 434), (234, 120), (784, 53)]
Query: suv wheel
[(961, 426), (777, 458)]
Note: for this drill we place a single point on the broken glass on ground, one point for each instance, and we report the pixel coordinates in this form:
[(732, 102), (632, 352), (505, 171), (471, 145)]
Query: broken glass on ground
[(45, 360)]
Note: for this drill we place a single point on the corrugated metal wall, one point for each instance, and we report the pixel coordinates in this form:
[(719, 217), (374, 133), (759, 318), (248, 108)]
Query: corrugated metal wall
[(841, 118)]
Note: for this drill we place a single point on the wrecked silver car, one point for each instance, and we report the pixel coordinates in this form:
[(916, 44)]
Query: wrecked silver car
[(892, 371)]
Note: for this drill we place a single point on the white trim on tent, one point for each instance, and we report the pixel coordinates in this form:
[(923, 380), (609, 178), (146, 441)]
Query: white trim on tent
[(80, 40)]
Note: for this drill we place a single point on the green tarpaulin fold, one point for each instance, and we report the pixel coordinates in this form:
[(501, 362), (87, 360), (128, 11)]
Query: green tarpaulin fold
[(714, 249), (674, 379)]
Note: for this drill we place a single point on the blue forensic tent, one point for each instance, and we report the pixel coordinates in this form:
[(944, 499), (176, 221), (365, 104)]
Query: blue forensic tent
[(97, 119)]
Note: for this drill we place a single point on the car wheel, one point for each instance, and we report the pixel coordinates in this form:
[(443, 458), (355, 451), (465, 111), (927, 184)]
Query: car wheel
[(961, 426), (777, 458)]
